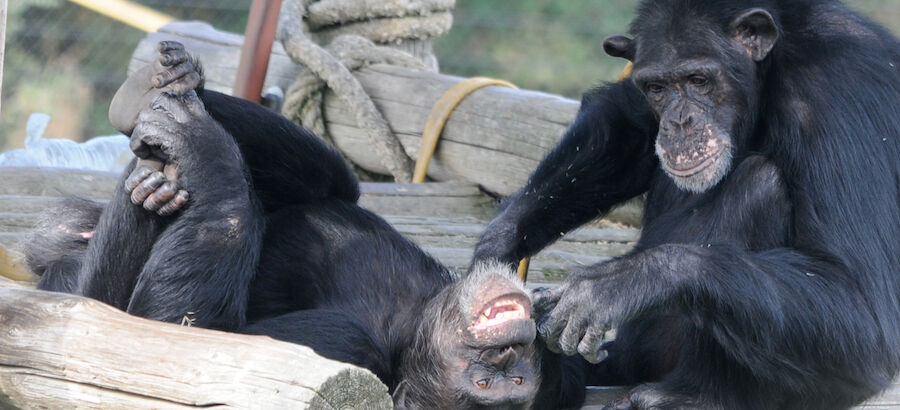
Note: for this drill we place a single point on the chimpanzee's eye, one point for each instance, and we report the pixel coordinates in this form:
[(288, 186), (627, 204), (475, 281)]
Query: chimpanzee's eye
[(655, 88), (517, 380), (482, 384), (698, 80)]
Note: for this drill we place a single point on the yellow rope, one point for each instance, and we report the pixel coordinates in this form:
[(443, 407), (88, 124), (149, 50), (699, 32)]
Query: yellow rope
[(135, 15), (438, 118), (439, 115), (12, 268)]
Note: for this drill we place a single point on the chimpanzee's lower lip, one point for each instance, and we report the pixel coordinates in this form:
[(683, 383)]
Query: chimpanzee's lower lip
[(695, 169)]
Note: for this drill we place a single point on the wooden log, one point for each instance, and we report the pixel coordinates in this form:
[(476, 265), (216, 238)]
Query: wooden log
[(61, 352), (495, 137)]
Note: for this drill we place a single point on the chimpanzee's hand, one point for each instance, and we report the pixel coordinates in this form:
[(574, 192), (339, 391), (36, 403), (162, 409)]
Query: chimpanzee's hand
[(175, 72), (161, 133), (576, 317)]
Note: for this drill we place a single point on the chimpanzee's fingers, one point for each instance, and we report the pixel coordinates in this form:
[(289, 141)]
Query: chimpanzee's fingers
[(170, 170), (142, 169), (571, 336), (550, 328), (544, 299), (591, 346), (145, 188), (160, 197), (175, 204), (137, 176)]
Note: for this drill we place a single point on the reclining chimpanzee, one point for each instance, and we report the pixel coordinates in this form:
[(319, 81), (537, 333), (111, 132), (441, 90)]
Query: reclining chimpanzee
[(239, 220)]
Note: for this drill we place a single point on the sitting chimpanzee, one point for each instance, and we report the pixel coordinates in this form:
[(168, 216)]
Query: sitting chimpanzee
[(238, 219), (766, 137)]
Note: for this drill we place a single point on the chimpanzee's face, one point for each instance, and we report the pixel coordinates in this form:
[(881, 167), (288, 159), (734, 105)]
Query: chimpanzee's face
[(698, 108), (480, 344), (494, 359), (702, 82)]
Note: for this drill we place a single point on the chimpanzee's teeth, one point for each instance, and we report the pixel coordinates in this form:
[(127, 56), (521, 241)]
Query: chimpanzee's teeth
[(507, 310)]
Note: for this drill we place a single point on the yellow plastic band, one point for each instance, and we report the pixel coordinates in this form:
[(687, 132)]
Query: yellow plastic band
[(522, 272), (439, 115), (135, 15), (626, 72)]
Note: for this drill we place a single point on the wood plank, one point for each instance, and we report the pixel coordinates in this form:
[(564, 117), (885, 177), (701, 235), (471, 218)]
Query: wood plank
[(56, 182), (597, 397), (64, 351)]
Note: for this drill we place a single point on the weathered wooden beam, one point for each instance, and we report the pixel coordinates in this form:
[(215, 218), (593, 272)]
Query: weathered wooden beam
[(61, 352)]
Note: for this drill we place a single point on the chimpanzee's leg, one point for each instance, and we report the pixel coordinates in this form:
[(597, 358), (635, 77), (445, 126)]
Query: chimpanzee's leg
[(289, 165), (202, 262), (117, 250), (330, 333)]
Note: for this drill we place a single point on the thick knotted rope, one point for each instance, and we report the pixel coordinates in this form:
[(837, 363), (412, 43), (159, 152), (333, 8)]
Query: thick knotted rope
[(350, 26)]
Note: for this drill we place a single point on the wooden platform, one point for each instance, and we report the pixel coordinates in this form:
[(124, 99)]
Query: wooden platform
[(444, 218)]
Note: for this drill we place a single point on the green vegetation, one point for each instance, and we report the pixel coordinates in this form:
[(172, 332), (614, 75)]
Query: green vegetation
[(68, 61)]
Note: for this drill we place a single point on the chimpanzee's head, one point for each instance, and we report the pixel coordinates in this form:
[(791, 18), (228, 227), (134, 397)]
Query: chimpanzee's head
[(699, 67), (474, 347)]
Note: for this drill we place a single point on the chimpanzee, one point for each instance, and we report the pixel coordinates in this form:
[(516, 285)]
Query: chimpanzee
[(765, 135), (234, 218)]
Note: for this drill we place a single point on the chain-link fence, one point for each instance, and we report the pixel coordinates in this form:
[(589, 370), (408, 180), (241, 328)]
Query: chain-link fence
[(67, 61)]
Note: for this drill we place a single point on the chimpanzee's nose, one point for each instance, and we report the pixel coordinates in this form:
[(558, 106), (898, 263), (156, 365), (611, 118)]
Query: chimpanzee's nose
[(501, 358)]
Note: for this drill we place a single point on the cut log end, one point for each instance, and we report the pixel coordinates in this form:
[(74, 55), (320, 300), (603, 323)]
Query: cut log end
[(352, 389)]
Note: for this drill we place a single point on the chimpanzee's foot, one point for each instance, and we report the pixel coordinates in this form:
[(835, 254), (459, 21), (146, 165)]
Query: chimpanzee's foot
[(153, 183), (175, 72), (652, 396), (184, 73)]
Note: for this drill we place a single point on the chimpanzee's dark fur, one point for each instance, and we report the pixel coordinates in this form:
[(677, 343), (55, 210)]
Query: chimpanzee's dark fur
[(272, 242), (773, 285)]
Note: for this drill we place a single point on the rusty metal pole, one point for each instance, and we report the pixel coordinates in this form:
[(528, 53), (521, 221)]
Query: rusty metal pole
[(258, 38)]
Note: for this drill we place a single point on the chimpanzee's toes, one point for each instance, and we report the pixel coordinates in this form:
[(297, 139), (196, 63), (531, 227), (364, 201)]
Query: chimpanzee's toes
[(180, 72), (622, 403)]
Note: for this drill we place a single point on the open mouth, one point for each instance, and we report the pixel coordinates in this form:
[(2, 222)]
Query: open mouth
[(501, 310), (699, 166)]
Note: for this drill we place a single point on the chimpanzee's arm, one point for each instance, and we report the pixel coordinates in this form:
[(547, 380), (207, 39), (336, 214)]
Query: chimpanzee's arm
[(765, 309), (605, 158), (288, 164)]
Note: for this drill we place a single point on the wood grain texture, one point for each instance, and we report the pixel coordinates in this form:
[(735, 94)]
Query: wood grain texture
[(62, 351)]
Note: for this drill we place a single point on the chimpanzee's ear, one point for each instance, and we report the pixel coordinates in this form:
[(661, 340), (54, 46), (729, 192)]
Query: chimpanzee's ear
[(619, 46), (755, 29)]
